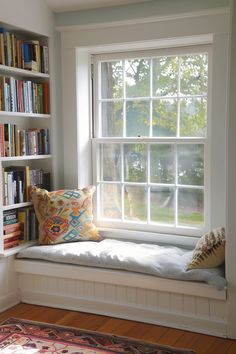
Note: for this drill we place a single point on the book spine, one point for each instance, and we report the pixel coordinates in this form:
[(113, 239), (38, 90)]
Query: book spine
[(7, 143), (22, 143), (10, 190), (7, 229), (12, 234), (5, 189), (2, 144), (45, 89), (2, 55), (11, 244)]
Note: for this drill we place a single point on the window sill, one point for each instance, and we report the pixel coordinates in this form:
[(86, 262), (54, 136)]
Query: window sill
[(149, 237)]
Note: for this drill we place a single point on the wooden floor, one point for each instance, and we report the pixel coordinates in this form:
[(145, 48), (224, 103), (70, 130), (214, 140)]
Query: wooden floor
[(202, 344)]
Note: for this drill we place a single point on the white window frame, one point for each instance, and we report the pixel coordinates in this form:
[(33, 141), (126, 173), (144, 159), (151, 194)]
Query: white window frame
[(96, 140)]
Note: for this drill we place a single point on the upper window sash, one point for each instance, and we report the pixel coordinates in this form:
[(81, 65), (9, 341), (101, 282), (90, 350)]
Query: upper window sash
[(151, 100)]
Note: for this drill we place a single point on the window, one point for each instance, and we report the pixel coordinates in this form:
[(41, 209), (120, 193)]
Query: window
[(150, 140)]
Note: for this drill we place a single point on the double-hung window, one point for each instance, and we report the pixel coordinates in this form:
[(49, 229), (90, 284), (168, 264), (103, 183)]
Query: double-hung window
[(150, 143)]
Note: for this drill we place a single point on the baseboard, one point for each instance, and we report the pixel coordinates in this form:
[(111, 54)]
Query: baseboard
[(185, 322)]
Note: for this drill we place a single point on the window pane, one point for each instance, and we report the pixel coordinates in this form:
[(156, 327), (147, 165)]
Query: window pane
[(112, 79), (165, 76), (112, 119), (135, 203), (191, 164), (162, 163), (194, 74), (164, 118), (137, 118), (135, 162), (137, 78), (110, 201), (193, 117), (110, 162), (162, 205), (190, 207)]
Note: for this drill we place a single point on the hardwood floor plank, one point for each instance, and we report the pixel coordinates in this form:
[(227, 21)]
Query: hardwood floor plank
[(186, 340), (117, 326), (201, 343), (170, 336), (220, 346), (232, 348), (154, 333)]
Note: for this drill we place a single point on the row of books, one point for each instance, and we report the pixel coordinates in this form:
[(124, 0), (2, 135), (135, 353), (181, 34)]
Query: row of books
[(23, 54), (23, 96), (16, 142), (19, 226), (17, 182)]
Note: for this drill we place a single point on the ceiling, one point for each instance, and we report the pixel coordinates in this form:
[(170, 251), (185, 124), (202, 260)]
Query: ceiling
[(76, 5)]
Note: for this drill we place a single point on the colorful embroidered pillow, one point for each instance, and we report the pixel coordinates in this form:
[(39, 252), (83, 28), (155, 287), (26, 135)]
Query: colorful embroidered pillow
[(65, 215), (210, 250)]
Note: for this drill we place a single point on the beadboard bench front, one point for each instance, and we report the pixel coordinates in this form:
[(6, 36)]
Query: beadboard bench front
[(180, 304)]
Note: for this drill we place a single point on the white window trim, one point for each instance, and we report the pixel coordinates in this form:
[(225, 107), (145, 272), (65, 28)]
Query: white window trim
[(77, 44), (158, 228)]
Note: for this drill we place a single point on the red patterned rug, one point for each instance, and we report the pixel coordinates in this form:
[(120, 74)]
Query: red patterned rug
[(26, 337)]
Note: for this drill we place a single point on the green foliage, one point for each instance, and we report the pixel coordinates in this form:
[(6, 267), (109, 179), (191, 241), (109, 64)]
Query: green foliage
[(178, 91)]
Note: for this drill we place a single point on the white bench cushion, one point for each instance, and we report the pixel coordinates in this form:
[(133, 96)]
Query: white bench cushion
[(162, 261)]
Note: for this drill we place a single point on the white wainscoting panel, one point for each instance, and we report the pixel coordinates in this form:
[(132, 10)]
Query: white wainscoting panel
[(103, 293), (9, 293)]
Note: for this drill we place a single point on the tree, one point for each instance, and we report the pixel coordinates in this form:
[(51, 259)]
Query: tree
[(177, 88)]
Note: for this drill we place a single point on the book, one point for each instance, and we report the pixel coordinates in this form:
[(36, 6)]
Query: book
[(19, 53), (31, 65), (2, 141), (2, 56), (13, 46), (23, 217), (44, 59), (7, 142), (45, 98), (12, 234), (2, 93), (10, 217), (11, 244), (4, 36), (8, 229), (33, 226)]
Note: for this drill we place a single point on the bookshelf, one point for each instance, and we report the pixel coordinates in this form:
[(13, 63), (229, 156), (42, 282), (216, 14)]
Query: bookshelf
[(25, 132)]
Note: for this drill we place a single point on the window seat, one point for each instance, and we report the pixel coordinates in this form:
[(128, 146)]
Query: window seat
[(94, 285), (163, 261)]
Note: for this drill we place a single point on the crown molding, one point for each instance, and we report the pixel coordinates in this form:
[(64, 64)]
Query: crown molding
[(153, 19)]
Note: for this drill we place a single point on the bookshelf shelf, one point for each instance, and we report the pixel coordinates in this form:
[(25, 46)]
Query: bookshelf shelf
[(25, 91), (16, 249), (22, 72), (23, 114), (16, 206), (25, 158)]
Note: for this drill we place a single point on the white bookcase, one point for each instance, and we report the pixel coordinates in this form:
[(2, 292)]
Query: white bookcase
[(23, 121)]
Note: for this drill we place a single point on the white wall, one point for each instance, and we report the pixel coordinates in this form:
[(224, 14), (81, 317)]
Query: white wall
[(32, 15)]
